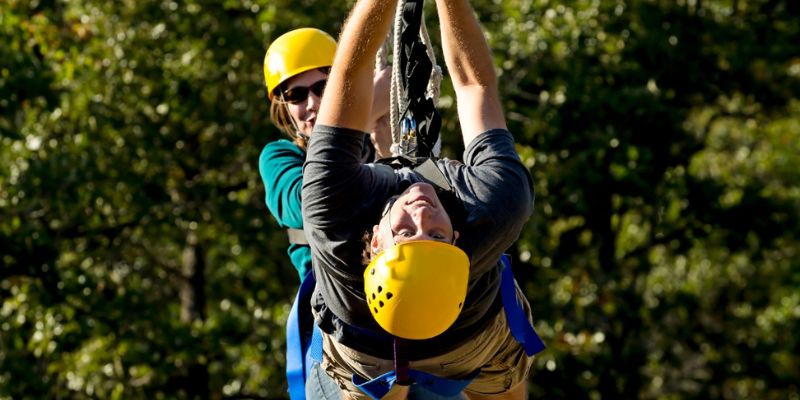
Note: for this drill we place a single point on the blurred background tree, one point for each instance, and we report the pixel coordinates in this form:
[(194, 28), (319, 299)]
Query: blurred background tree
[(138, 259)]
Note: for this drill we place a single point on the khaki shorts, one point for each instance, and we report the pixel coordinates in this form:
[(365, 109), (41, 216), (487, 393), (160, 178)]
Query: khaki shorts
[(500, 358)]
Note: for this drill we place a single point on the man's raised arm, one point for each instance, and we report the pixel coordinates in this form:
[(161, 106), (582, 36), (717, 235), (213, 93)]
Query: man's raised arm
[(469, 63), (348, 95)]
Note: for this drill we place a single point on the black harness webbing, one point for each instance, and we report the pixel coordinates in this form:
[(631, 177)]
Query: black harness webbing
[(419, 120)]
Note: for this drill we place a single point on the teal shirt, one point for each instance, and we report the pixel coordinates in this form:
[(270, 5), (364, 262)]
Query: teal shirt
[(281, 168)]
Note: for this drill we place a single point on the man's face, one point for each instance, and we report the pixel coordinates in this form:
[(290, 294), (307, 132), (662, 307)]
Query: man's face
[(417, 214)]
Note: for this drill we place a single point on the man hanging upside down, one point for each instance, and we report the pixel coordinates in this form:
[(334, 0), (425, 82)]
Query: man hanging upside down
[(434, 273)]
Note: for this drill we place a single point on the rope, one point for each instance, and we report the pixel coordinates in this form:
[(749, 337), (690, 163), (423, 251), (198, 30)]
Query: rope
[(394, 101), (435, 82)]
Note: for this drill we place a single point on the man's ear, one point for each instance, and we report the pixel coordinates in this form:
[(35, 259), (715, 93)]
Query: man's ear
[(455, 237), (375, 245)]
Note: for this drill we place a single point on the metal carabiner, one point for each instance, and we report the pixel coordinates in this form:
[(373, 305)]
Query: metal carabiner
[(408, 135), (408, 128)]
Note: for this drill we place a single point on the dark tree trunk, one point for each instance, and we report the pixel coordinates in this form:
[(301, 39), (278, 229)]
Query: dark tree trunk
[(193, 305)]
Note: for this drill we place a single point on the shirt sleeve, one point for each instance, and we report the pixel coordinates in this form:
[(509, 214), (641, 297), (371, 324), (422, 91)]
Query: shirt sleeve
[(498, 171), (339, 189), (497, 192), (281, 169), (341, 200)]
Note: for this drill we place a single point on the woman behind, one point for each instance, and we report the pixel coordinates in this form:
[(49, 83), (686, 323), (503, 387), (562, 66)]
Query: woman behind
[(296, 69)]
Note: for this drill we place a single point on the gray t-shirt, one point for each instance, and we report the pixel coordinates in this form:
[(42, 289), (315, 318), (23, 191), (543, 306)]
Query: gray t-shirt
[(343, 198)]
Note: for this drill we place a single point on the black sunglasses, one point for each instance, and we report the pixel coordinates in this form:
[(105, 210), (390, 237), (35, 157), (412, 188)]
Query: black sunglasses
[(299, 94)]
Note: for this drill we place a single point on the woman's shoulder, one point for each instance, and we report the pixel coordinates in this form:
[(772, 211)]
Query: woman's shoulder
[(278, 156), (282, 150), (281, 146)]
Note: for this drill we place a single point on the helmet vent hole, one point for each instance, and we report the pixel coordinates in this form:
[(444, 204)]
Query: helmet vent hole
[(380, 289), (373, 296), (389, 295), (375, 309), (372, 271), (459, 305), (380, 303)]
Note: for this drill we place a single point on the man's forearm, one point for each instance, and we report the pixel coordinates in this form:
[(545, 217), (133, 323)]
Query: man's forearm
[(348, 96), (469, 62), (464, 46)]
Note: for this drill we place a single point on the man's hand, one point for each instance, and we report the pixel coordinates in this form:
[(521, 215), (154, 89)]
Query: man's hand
[(381, 84), (381, 137)]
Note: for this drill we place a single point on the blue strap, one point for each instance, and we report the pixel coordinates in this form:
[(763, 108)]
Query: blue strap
[(517, 319), (447, 387), (375, 388), (314, 352), (297, 349), (441, 386)]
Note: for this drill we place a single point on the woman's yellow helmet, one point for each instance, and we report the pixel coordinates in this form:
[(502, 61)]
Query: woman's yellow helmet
[(294, 52), (416, 290)]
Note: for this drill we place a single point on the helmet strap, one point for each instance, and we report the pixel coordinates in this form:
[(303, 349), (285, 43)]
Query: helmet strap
[(385, 229), (385, 223), (401, 362)]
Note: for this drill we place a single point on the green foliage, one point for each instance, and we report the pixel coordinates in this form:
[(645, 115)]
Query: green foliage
[(138, 259), (659, 135)]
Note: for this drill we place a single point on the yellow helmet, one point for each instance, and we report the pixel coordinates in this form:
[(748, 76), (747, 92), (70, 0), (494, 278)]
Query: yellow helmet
[(294, 52), (416, 289)]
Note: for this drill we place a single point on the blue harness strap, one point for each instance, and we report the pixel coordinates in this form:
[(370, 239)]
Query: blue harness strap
[(300, 350), (517, 319), (314, 352), (447, 387), (520, 328)]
